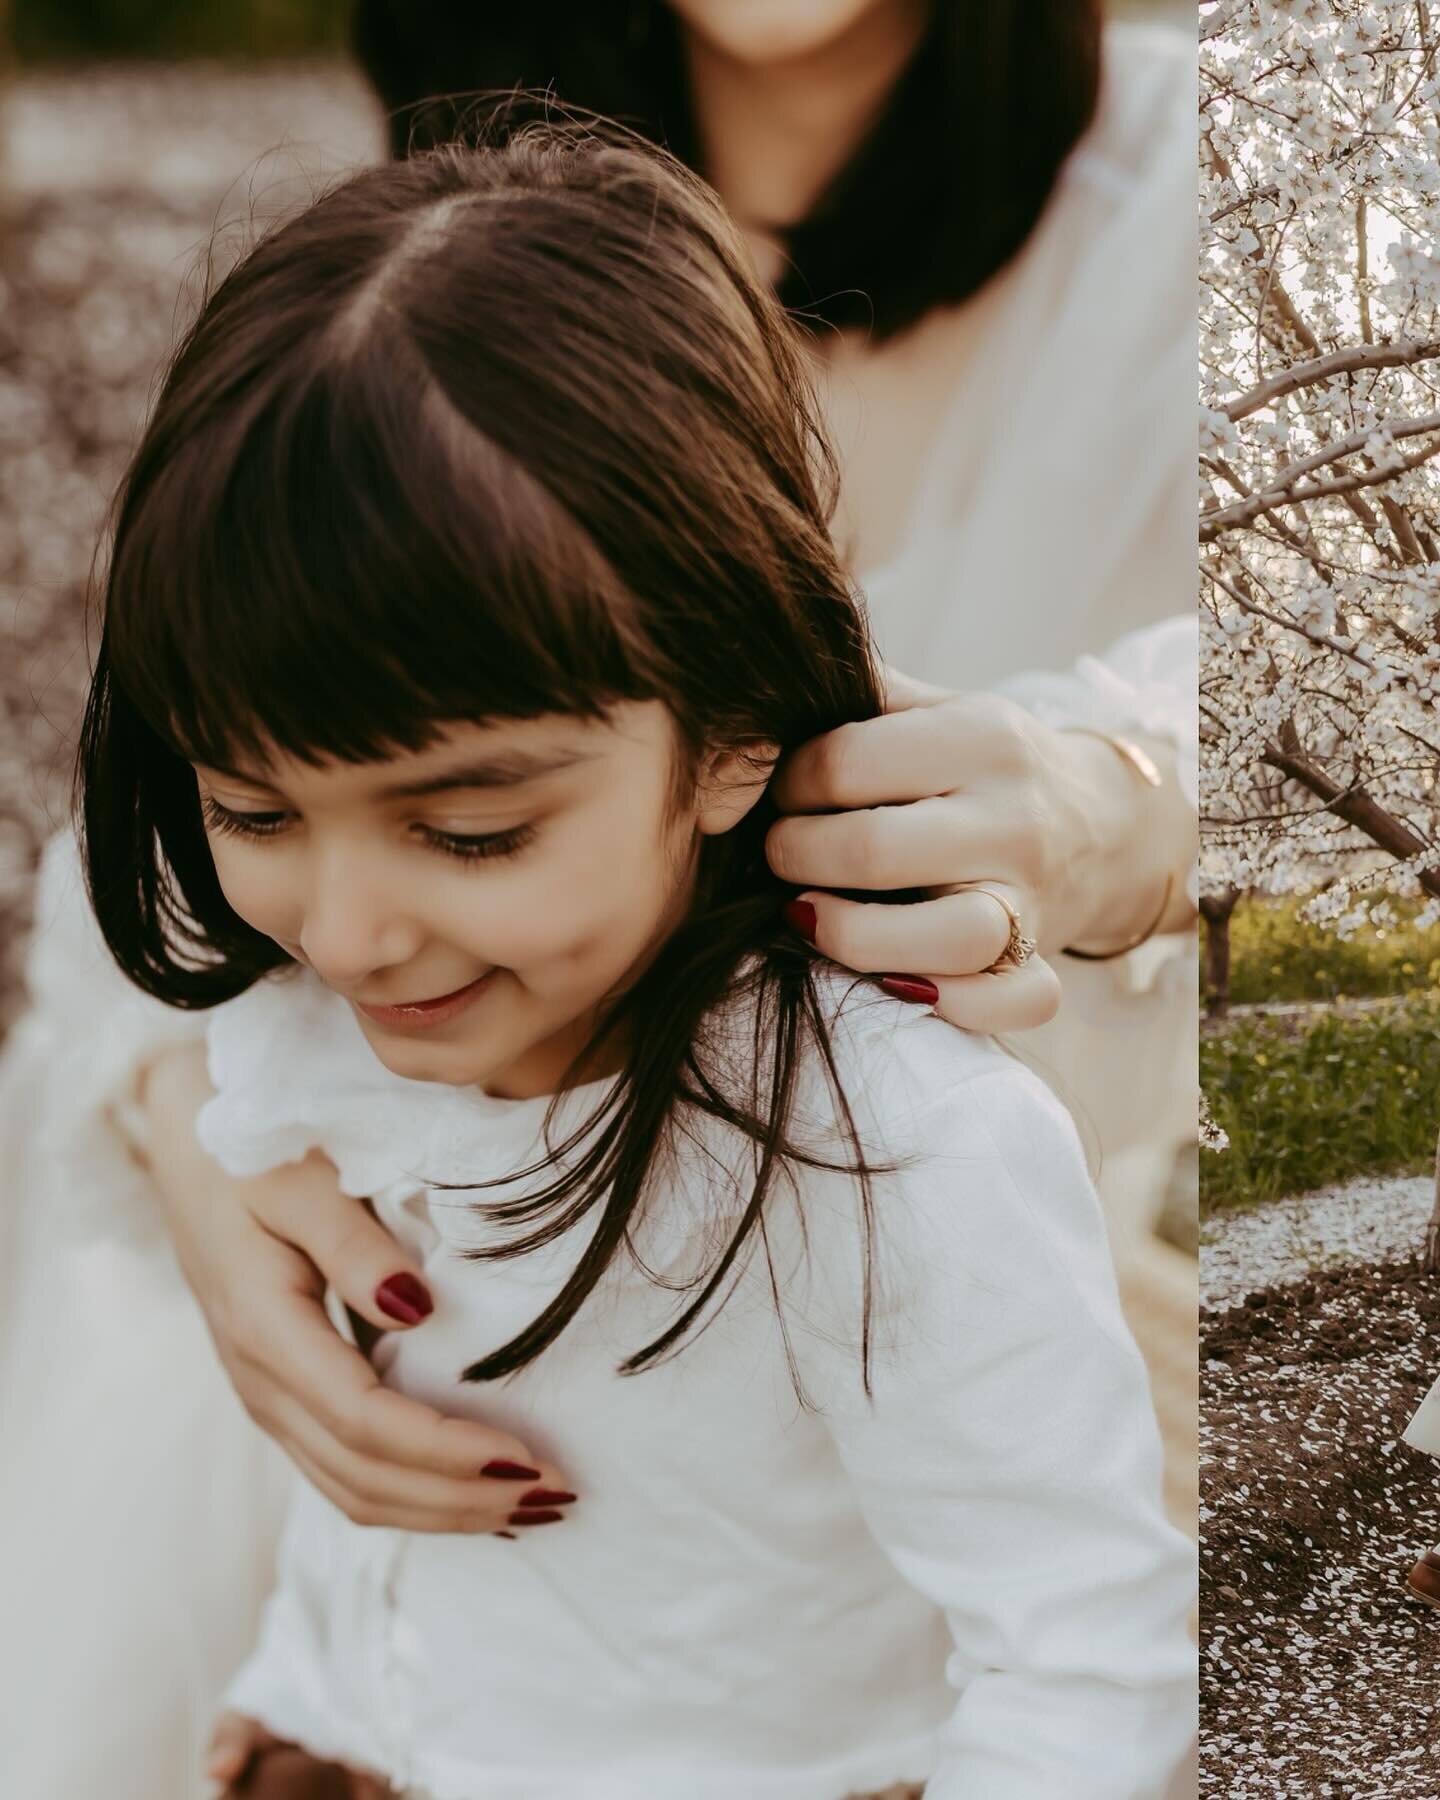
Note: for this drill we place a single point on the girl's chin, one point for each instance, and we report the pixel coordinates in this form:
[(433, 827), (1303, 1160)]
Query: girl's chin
[(455, 1064), (414, 1062)]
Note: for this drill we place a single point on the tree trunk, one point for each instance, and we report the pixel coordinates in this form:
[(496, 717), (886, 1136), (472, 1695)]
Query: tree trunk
[(1216, 909)]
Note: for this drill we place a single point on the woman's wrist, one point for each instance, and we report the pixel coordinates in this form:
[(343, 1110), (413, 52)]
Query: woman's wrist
[(1131, 881)]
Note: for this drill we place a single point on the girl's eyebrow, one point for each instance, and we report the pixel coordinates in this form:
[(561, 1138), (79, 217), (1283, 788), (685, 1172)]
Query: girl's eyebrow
[(505, 768)]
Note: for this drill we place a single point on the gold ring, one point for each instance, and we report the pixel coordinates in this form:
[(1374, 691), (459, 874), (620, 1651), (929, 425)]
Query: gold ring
[(1018, 948)]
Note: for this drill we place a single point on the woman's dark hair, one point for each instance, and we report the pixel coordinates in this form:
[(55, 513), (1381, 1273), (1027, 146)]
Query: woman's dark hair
[(944, 189), (488, 434)]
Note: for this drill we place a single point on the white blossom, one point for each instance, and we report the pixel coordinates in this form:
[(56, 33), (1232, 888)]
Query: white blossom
[(1320, 451), (1212, 1136)]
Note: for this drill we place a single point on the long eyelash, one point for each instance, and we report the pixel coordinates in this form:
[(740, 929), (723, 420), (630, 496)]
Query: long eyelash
[(479, 849), (465, 849), (249, 825)]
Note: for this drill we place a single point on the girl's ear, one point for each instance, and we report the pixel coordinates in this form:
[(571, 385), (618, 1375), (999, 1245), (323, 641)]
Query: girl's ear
[(731, 781)]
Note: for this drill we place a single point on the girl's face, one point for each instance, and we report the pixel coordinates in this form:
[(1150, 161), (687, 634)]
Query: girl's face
[(476, 902)]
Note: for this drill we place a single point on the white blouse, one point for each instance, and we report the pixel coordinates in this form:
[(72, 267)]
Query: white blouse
[(966, 1579)]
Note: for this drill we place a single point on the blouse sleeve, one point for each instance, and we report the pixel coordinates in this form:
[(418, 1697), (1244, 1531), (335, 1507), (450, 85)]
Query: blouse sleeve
[(1147, 681), (1008, 1461), (93, 1034)]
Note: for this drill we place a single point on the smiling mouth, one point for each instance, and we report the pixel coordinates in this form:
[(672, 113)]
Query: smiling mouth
[(423, 1013)]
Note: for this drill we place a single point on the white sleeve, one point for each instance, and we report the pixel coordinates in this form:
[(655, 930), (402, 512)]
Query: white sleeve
[(94, 1033), (1147, 681), (1009, 1462)]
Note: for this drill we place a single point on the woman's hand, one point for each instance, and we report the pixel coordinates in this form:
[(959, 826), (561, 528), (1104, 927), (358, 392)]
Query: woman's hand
[(948, 790), (258, 1254), (248, 1760)]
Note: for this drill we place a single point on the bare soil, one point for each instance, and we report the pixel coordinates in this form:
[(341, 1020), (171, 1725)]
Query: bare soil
[(1320, 1675)]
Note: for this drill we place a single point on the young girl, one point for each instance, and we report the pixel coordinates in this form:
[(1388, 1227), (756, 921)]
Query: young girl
[(469, 580)]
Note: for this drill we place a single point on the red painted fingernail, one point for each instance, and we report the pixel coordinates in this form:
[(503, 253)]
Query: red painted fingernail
[(404, 1297), (800, 914), (510, 1471), (546, 1497), (914, 988), (535, 1518)]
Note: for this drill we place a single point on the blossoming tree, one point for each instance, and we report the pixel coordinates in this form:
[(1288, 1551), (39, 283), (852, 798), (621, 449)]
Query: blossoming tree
[(1320, 451)]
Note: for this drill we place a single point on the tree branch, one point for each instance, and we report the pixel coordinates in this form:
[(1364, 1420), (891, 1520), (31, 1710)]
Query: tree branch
[(1321, 369), (1353, 805), (1243, 511), (1320, 639)]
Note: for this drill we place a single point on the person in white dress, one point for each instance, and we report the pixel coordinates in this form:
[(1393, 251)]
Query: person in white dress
[(1016, 482)]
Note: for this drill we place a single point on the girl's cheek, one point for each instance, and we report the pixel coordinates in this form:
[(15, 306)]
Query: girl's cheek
[(554, 925), (578, 920), (255, 889)]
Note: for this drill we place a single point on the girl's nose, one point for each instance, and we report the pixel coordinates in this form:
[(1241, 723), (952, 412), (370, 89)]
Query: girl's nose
[(351, 928)]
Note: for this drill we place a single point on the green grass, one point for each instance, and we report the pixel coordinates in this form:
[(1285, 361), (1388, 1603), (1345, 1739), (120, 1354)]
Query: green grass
[(1325, 1100), (1273, 956)]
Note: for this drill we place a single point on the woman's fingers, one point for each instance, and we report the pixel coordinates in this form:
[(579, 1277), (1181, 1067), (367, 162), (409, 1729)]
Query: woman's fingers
[(951, 942), (373, 1490), (1016, 1000), (233, 1742), (904, 691), (957, 934), (294, 1355), (935, 744), (286, 1769), (929, 843), (253, 1251), (370, 1787), (871, 762), (375, 1495), (347, 1244)]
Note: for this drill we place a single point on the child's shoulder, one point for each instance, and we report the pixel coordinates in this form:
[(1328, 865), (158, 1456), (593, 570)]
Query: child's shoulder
[(978, 1173), (908, 1081), (900, 1065)]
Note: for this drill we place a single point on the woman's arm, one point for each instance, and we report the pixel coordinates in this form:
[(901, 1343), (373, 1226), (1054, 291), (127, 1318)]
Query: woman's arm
[(1008, 1463), (127, 1079), (948, 790), (258, 1253)]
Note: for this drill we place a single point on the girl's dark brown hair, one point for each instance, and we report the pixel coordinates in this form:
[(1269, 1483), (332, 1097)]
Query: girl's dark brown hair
[(488, 435), (937, 197)]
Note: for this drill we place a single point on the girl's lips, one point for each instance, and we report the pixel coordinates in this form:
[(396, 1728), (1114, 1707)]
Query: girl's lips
[(422, 1015)]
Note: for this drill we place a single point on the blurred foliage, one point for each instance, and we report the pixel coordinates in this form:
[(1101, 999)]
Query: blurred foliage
[(44, 29), (1337, 1096), (1274, 956)]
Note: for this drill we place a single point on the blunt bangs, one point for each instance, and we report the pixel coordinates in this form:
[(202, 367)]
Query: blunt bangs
[(346, 565)]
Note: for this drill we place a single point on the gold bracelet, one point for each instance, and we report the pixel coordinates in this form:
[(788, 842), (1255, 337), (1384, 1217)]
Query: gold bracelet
[(1144, 766)]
